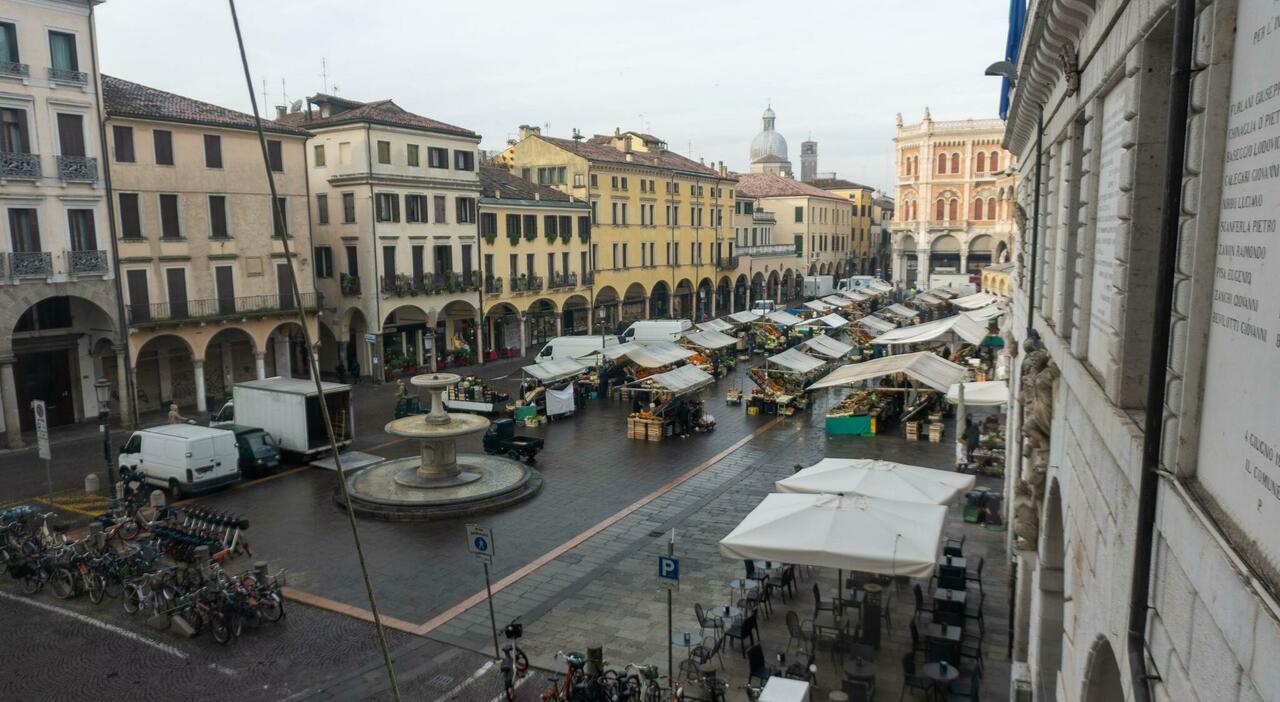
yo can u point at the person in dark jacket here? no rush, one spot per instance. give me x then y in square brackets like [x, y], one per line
[682, 419]
[971, 436]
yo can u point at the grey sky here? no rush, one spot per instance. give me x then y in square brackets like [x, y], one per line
[690, 72]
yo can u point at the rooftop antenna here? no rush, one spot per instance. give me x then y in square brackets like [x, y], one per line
[264, 90]
[577, 135]
[324, 74]
[284, 96]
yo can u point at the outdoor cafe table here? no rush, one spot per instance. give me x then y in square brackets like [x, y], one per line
[728, 612]
[939, 678]
[741, 585]
[953, 562]
[943, 631]
[949, 600]
[687, 639]
[778, 689]
[859, 668]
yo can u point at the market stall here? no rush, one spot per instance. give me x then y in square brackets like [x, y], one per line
[989, 455]
[875, 325]
[951, 330]
[715, 351]
[665, 404]
[743, 318]
[717, 325]
[828, 347]
[976, 300]
[860, 413]
[550, 387]
[472, 395]
[899, 312]
[829, 321]
[896, 394]
[771, 332]
[780, 383]
[818, 306]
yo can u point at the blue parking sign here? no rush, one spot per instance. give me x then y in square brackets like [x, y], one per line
[669, 572]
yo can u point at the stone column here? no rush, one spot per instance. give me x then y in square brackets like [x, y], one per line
[260, 364]
[733, 298]
[922, 269]
[591, 320]
[198, 366]
[9, 389]
[284, 359]
[964, 261]
[479, 327]
[122, 384]
[524, 344]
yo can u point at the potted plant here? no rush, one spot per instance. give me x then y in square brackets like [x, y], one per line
[531, 234]
[404, 284]
[565, 236]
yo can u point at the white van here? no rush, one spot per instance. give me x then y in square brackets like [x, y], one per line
[648, 330]
[577, 347]
[183, 458]
[763, 306]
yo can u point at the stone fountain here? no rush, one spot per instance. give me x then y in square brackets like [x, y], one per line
[439, 482]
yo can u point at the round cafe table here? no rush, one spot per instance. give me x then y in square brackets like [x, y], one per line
[939, 678]
[859, 668]
[726, 612]
[694, 639]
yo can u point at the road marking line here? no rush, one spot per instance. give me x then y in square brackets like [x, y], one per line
[502, 696]
[320, 602]
[68, 508]
[86, 619]
[474, 677]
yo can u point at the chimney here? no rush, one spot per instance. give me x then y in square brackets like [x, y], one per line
[281, 111]
[537, 195]
[528, 131]
[617, 132]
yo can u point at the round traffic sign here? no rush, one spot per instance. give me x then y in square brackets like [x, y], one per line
[481, 544]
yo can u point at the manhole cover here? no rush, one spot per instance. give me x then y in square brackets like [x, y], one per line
[441, 682]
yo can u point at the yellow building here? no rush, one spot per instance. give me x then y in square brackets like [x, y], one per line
[205, 282]
[535, 248]
[764, 268]
[661, 223]
[861, 202]
[882, 209]
[816, 222]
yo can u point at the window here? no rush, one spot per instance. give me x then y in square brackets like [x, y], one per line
[437, 157]
[387, 207]
[513, 228]
[24, 230]
[942, 163]
[13, 131]
[224, 282]
[212, 151]
[624, 213]
[388, 266]
[488, 225]
[130, 221]
[353, 261]
[324, 262]
[549, 225]
[513, 261]
[275, 155]
[995, 161]
[349, 208]
[939, 210]
[344, 153]
[8, 42]
[625, 256]
[162, 140]
[415, 208]
[977, 208]
[595, 211]
[955, 163]
[218, 217]
[438, 206]
[411, 154]
[318, 150]
[595, 180]
[62, 51]
[384, 152]
[280, 220]
[566, 225]
[613, 182]
[577, 180]
[531, 226]
[800, 214]
[122, 137]
[673, 215]
[991, 208]
[546, 176]
[80, 226]
[71, 134]
[466, 161]
[584, 226]
[982, 163]
[466, 208]
[616, 261]
[951, 209]
[416, 258]
[322, 208]
[614, 219]
[624, 182]
[551, 265]
[169, 228]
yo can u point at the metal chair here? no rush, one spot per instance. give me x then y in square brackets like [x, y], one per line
[953, 547]
[757, 665]
[921, 607]
[796, 632]
[910, 680]
[975, 612]
[977, 576]
[858, 690]
[705, 622]
[743, 629]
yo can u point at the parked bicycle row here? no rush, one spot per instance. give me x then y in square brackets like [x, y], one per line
[166, 563]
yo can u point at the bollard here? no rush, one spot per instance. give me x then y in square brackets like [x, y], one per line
[92, 484]
[260, 572]
[157, 499]
[98, 538]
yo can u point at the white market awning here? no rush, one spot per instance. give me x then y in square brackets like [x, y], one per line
[957, 327]
[877, 478]
[718, 325]
[553, 371]
[989, 393]
[901, 310]
[838, 300]
[945, 292]
[926, 367]
[867, 534]
[986, 313]
[744, 317]
[928, 299]
[826, 346]
[796, 360]
[833, 321]
[650, 355]
[711, 340]
[976, 300]
[782, 319]
[880, 286]
[817, 305]
[858, 295]
[875, 324]
[682, 380]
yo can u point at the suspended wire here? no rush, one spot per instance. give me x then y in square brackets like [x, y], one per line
[313, 362]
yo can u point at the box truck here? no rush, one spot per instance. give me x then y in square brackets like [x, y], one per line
[289, 409]
[816, 286]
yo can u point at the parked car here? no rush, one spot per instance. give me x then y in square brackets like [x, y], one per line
[182, 458]
[259, 454]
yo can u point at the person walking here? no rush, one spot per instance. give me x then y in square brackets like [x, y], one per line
[971, 437]
[682, 420]
[175, 417]
[341, 370]
[355, 371]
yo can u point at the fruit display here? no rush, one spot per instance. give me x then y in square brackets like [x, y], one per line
[856, 404]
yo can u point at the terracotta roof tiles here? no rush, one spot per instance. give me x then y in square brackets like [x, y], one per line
[124, 98]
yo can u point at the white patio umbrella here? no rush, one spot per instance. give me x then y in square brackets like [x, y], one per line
[881, 479]
[852, 532]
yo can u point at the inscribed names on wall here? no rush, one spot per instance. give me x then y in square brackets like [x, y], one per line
[1102, 329]
[1239, 459]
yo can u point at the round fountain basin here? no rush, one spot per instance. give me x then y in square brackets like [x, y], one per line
[418, 426]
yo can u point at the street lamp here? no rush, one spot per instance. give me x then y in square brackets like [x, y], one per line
[103, 389]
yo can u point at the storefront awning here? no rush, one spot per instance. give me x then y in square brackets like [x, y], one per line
[718, 325]
[552, 371]
[834, 321]
[976, 300]
[783, 319]
[817, 305]
[926, 367]
[901, 311]
[875, 324]
[711, 340]
[682, 380]
[826, 346]
[744, 317]
[796, 360]
[958, 327]
[652, 355]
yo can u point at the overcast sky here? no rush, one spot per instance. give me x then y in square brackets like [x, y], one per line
[697, 74]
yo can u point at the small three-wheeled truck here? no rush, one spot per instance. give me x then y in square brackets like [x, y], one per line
[501, 439]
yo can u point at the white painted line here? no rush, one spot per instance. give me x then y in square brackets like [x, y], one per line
[133, 636]
[502, 696]
[474, 676]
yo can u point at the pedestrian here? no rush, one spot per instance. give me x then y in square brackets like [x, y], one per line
[636, 405]
[355, 371]
[682, 420]
[175, 417]
[962, 454]
[341, 371]
[971, 436]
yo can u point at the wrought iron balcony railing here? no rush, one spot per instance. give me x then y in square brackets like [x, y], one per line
[493, 285]
[431, 284]
[727, 263]
[768, 250]
[66, 75]
[191, 310]
[19, 165]
[15, 69]
[563, 280]
[87, 262]
[81, 169]
[30, 264]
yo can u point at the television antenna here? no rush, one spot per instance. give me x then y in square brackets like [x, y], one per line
[324, 75]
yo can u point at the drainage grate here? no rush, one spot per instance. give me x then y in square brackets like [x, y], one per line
[441, 682]
[656, 534]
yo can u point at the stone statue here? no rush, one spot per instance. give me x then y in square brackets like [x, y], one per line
[926, 113]
[899, 119]
[1039, 379]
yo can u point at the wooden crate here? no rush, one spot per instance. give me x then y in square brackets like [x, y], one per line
[913, 431]
[935, 432]
[654, 430]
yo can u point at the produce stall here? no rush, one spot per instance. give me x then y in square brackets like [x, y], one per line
[829, 321]
[828, 347]
[989, 454]
[717, 325]
[714, 350]
[668, 406]
[976, 300]
[875, 325]
[549, 387]
[857, 414]
[951, 331]
[899, 312]
[472, 395]
[819, 306]
[932, 375]
[780, 383]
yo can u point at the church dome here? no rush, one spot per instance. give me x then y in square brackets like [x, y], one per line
[768, 142]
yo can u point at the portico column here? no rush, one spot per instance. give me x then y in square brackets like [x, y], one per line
[122, 384]
[284, 359]
[964, 261]
[8, 388]
[523, 343]
[922, 269]
[479, 329]
[733, 298]
[198, 366]
[260, 364]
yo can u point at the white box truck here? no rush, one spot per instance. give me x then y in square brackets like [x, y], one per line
[816, 286]
[289, 409]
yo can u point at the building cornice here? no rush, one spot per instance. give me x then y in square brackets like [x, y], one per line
[1050, 44]
[390, 179]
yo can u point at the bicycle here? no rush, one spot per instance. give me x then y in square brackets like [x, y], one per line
[566, 692]
[514, 663]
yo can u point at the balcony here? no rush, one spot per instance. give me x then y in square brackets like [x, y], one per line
[526, 283]
[562, 280]
[162, 313]
[68, 76]
[19, 165]
[727, 263]
[493, 285]
[768, 250]
[35, 264]
[78, 169]
[446, 283]
[87, 263]
[588, 278]
[15, 69]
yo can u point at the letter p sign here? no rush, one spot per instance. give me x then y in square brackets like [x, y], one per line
[668, 573]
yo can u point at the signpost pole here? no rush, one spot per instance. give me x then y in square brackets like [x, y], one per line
[480, 544]
[493, 620]
[671, 548]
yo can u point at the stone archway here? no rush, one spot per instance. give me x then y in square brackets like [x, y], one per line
[772, 286]
[286, 353]
[740, 301]
[757, 287]
[634, 306]
[457, 334]
[543, 321]
[704, 301]
[660, 300]
[724, 294]
[1050, 576]
[229, 358]
[606, 299]
[503, 330]
[1102, 682]
[981, 251]
[683, 301]
[575, 313]
[164, 372]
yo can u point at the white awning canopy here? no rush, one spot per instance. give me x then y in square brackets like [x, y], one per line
[782, 319]
[858, 295]
[796, 360]
[880, 286]
[832, 321]
[838, 300]
[744, 317]
[976, 300]
[826, 346]
[986, 313]
[945, 292]
[877, 478]
[711, 340]
[718, 325]
[957, 327]
[901, 311]
[552, 371]
[682, 380]
[875, 324]
[853, 532]
[651, 355]
[989, 393]
[926, 367]
[817, 305]
[928, 299]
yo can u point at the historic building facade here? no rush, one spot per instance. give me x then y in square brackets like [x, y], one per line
[954, 199]
[59, 314]
[861, 213]
[768, 153]
[882, 211]
[816, 222]
[207, 290]
[1144, 520]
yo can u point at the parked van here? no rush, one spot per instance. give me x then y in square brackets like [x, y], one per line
[657, 330]
[763, 306]
[183, 458]
[578, 347]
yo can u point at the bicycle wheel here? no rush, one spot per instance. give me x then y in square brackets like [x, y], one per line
[522, 663]
[129, 530]
[219, 627]
[63, 584]
[97, 588]
[32, 582]
[132, 598]
[271, 607]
